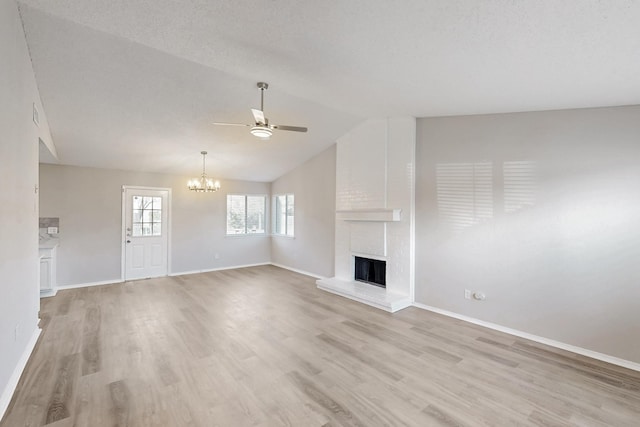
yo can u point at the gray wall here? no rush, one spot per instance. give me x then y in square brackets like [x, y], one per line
[88, 202]
[548, 226]
[314, 186]
[19, 288]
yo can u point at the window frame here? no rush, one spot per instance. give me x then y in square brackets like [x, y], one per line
[286, 208]
[246, 214]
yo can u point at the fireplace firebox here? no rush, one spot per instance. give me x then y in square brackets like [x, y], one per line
[371, 271]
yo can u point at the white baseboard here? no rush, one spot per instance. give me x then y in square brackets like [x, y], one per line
[232, 267]
[295, 270]
[181, 273]
[542, 340]
[86, 285]
[10, 388]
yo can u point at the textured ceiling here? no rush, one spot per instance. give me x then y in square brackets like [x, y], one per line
[134, 84]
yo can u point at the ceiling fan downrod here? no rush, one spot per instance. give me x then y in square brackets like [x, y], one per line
[262, 86]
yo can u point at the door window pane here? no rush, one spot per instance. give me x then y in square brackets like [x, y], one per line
[137, 202]
[146, 216]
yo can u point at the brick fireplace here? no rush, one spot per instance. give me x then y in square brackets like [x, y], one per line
[375, 176]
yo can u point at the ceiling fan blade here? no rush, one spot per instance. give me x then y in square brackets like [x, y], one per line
[259, 116]
[292, 128]
[231, 124]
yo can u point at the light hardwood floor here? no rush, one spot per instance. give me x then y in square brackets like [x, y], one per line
[263, 347]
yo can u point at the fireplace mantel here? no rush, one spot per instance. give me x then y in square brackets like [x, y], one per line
[378, 215]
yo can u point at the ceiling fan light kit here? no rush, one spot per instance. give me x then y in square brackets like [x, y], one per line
[261, 132]
[203, 184]
[262, 129]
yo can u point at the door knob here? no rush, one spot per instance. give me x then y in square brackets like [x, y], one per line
[128, 241]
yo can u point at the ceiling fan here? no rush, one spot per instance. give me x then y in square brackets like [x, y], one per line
[262, 128]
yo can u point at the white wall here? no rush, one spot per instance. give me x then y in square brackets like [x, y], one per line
[314, 186]
[19, 136]
[555, 246]
[88, 202]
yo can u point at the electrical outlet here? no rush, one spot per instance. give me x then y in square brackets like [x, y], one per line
[467, 294]
[479, 296]
[16, 334]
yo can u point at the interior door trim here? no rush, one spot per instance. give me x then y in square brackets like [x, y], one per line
[124, 226]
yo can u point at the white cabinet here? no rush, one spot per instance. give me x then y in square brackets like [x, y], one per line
[47, 271]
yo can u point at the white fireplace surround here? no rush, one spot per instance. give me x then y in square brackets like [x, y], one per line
[375, 211]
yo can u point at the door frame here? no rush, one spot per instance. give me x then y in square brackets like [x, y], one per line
[123, 227]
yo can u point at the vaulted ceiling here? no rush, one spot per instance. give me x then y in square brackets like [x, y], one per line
[136, 84]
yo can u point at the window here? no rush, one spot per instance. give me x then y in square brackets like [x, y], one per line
[246, 214]
[147, 216]
[283, 212]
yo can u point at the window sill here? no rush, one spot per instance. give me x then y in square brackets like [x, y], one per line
[233, 236]
[284, 236]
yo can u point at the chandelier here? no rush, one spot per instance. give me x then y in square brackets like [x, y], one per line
[203, 184]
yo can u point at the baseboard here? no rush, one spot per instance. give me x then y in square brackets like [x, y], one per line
[295, 270]
[542, 340]
[8, 391]
[181, 273]
[86, 285]
[208, 270]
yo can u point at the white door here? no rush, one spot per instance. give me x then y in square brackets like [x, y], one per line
[146, 219]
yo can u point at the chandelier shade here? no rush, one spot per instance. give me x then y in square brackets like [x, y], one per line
[203, 184]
